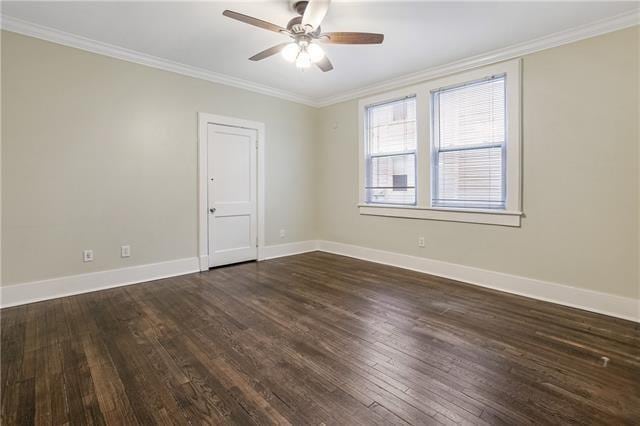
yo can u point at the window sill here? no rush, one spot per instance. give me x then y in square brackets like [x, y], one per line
[487, 217]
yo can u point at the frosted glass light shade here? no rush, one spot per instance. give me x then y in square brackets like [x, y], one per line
[315, 52]
[290, 52]
[303, 60]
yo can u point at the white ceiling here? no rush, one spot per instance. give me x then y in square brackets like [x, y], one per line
[418, 35]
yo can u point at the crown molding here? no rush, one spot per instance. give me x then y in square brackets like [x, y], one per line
[20, 26]
[607, 25]
[614, 23]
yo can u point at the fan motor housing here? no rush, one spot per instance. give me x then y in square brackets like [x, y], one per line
[293, 22]
[295, 26]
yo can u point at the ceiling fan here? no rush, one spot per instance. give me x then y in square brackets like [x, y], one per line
[306, 34]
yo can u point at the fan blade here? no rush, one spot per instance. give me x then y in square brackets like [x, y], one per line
[254, 21]
[325, 64]
[351, 38]
[315, 13]
[268, 52]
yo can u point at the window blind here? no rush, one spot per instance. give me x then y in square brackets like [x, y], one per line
[391, 152]
[469, 145]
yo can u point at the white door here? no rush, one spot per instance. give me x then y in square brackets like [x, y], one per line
[232, 181]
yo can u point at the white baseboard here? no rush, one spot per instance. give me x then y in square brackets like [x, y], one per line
[603, 303]
[288, 249]
[35, 291]
[608, 304]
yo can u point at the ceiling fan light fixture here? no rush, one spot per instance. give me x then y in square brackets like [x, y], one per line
[306, 32]
[315, 52]
[290, 52]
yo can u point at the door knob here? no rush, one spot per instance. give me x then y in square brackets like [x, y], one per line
[212, 210]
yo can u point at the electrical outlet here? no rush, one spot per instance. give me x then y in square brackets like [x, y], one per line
[283, 233]
[87, 256]
[125, 251]
[421, 242]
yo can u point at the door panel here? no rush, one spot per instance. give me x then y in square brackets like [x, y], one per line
[232, 194]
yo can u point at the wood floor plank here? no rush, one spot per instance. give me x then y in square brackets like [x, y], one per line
[314, 339]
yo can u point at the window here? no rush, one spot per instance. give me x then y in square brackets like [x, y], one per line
[391, 152]
[447, 149]
[468, 128]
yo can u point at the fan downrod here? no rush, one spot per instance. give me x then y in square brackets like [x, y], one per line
[300, 7]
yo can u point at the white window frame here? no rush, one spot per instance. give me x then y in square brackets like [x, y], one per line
[369, 156]
[424, 209]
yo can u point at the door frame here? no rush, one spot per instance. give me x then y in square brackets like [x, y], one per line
[204, 119]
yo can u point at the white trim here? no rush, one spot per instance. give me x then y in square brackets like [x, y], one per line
[204, 119]
[203, 262]
[407, 92]
[288, 249]
[424, 150]
[603, 26]
[513, 90]
[593, 29]
[607, 304]
[35, 291]
[42, 32]
[603, 303]
[486, 217]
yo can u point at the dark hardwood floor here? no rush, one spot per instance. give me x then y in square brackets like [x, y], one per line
[312, 339]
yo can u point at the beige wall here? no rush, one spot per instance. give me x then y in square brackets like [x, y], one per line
[580, 117]
[98, 152]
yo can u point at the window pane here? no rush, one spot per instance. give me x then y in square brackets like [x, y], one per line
[392, 127]
[391, 179]
[472, 114]
[469, 142]
[470, 178]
